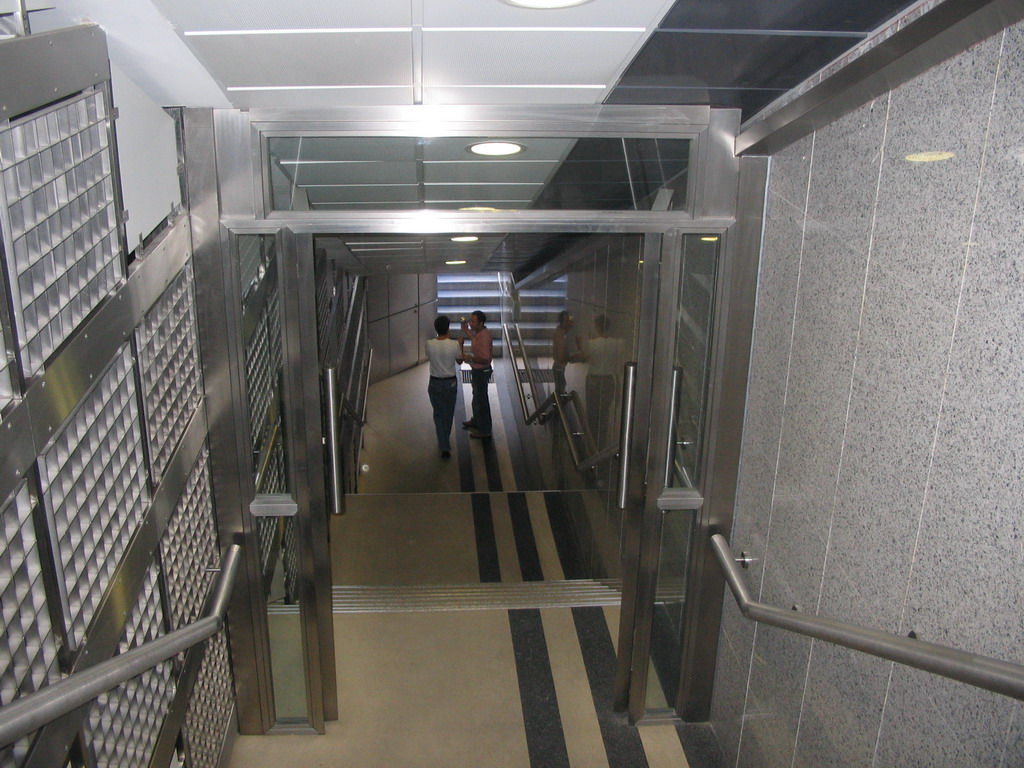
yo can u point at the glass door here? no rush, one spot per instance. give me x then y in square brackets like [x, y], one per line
[674, 403]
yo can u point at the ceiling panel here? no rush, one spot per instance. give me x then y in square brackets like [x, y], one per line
[190, 15]
[519, 95]
[454, 148]
[386, 193]
[482, 192]
[376, 96]
[344, 148]
[834, 15]
[315, 59]
[556, 57]
[494, 13]
[314, 173]
[489, 172]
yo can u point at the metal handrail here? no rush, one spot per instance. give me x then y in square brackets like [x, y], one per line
[538, 415]
[334, 468]
[29, 713]
[981, 671]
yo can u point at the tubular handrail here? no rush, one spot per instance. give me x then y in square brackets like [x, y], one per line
[539, 413]
[982, 671]
[29, 713]
[266, 454]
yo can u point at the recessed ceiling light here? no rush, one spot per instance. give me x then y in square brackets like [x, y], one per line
[455, 262]
[928, 157]
[546, 4]
[496, 148]
[465, 239]
[479, 209]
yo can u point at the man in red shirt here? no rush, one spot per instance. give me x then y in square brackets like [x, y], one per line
[479, 358]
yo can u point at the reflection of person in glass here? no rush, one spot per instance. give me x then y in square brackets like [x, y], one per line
[605, 357]
[560, 355]
[444, 354]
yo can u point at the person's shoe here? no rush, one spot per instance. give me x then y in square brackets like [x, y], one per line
[446, 454]
[468, 424]
[474, 432]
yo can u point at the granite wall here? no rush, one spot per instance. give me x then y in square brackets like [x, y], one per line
[881, 475]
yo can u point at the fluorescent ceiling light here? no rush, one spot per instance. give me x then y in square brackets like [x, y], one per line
[495, 148]
[456, 262]
[327, 31]
[585, 86]
[710, 238]
[309, 87]
[630, 30]
[543, 5]
[928, 157]
[465, 239]
[479, 209]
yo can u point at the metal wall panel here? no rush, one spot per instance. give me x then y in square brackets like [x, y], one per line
[63, 249]
[189, 549]
[210, 710]
[94, 491]
[28, 645]
[123, 724]
[169, 367]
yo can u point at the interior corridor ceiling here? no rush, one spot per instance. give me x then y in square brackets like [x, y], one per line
[319, 54]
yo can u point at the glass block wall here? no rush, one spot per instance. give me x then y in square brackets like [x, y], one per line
[106, 433]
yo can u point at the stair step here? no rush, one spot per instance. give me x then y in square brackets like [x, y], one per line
[469, 597]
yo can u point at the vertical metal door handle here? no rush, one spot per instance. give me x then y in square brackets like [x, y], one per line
[626, 430]
[333, 453]
[670, 446]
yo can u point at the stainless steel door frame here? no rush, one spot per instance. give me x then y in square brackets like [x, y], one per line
[634, 491]
[306, 450]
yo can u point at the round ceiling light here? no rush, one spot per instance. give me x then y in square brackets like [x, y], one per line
[544, 5]
[929, 157]
[496, 148]
[465, 239]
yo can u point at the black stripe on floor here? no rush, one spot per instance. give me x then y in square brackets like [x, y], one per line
[544, 737]
[565, 540]
[490, 453]
[466, 482]
[621, 740]
[486, 543]
[526, 544]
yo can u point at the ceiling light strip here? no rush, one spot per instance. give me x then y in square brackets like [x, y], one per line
[310, 87]
[628, 30]
[325, 31]
[523, 85]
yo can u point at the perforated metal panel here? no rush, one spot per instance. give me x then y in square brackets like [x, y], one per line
[290, 558]
[189, 547]
[169, 366]
[259, 379]
[209, 710]
[124, 723]
[274, 330]
[28, 647]
[94, 490]
[62, 247]
[7, 391]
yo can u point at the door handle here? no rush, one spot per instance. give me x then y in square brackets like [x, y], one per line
[626, 430]
[670, 447]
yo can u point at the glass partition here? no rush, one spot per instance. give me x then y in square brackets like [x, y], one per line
[257, 257]
[694, 312]
[359, 173]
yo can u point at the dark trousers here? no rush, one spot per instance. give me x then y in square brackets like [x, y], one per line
[442, 394]
[481, 405]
